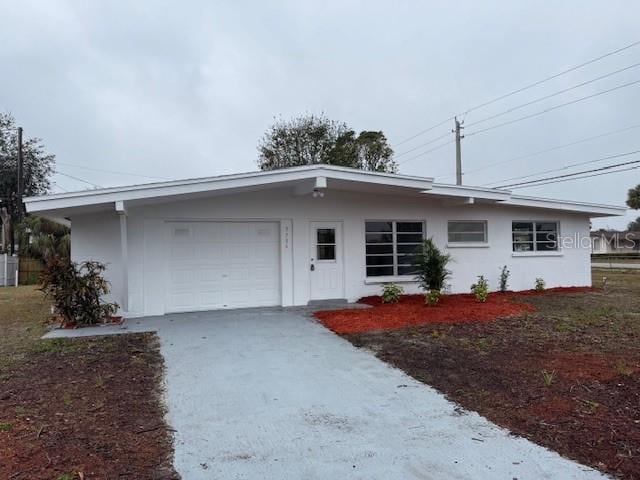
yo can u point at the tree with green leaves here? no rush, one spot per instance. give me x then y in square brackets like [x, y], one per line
[633, 198]
[42, 239]
[311, 140]
[38, 166]
[634, 226]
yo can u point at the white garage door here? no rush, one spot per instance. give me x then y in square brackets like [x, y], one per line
[223, 265]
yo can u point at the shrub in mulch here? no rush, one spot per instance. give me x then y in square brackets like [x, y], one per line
[411, 310]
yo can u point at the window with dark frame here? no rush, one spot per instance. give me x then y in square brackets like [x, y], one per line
[392, 246]
[535, 236]
[467, 231]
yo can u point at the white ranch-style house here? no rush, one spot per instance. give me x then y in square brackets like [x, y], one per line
[292, 236]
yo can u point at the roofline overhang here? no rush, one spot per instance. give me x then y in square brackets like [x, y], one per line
[61, 203]
[220, 183]
[592, 209]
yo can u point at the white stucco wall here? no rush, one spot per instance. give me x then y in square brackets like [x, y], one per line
[97, 236]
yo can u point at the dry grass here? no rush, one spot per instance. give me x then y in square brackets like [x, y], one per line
[23, 315]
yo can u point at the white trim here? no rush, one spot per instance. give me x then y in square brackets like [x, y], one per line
[390, 279]
[467, 245]
[594, 209]
[537, 254]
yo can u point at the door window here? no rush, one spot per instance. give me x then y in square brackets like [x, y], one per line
[326, 244]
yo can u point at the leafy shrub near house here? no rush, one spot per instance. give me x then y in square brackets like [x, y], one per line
[431, 267]
[480, 289]
[391, 293]
[432, 297]
[504, 279]
[76, 291]
[540, 285]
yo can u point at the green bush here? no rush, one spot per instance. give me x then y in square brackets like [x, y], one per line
[480, 289]
[431, 267]
[540, 285]
[76, 291]
[391, 293]
[432, 297]
[504, 279]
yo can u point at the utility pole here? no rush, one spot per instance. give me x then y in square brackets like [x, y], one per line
[20, 174]
[458, 127]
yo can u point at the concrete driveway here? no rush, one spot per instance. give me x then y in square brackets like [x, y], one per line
[270, 394]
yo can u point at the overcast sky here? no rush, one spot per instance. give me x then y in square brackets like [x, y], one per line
[186, 89]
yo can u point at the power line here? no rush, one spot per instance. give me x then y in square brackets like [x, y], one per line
[522, 89]
[602, 159]
[546, 150]
[555, 107]
[111, 171]
[426, 130]
[77, 178]
[564, 72]
[424, 144]
[57, 185]
[546, 97]
[607, 167]
[426, 152]
[580, 178]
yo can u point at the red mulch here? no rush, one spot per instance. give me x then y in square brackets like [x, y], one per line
[411, 310]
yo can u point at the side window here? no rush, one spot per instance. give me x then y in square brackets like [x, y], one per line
[468, 231]
[535, 236]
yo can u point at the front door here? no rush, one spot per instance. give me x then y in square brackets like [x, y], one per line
[326, 265]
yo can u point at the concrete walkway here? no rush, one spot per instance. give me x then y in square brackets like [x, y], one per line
[270, 394]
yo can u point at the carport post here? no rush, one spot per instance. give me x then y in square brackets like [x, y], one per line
[124, 298]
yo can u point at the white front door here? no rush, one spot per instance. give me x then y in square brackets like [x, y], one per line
[326, 265]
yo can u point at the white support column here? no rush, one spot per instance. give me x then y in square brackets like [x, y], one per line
[122, 213]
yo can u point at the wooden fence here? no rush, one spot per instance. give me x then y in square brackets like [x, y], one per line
[29, 271]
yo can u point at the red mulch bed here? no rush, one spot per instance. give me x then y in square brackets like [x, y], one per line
[411, 310]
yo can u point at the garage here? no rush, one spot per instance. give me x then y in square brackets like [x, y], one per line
[214, 265]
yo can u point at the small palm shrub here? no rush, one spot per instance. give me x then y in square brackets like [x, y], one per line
[540, 285]
[480, 289]
[432, 297]
[391, 293]
[431, 267]
[504, 279]
[548, 377]
[76, 291]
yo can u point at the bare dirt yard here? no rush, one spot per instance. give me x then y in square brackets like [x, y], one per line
[78, 408]
[565, 374]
